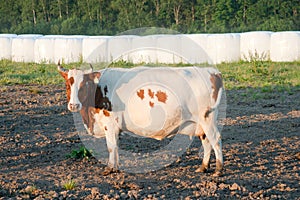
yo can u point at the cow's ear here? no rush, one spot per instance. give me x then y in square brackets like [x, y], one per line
[96, 77]
[62, 71]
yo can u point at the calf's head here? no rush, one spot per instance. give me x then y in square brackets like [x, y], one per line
[80, 86]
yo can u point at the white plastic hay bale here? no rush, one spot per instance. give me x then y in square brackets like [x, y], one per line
[255, 45]
[285, 46]
[169, 49]
[44, 49]
[223, 47]
[23, 48]
[6, 45]
[68, 48]
[94, 49]
[144, 49]
[119, 48]
[194, 48]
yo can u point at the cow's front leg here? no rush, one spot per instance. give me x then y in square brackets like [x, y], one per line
[112, 147]
[112, 136]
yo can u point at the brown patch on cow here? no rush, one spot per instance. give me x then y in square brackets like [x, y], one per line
[219, 165]
[208, 111]
[105, 128]
[151, 104]
[216, 81]
[109, 150]
[93, 75]
[150, 93]
[97, 110]
[106, 113]
[64, 75]
[140, 93]
[201, 134]
[68, 91]
[87, 114]
[71, 81]
[102, 101]
[161, 96]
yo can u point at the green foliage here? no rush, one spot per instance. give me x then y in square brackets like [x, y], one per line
[98, 17]
[82, 153]
[69, 185]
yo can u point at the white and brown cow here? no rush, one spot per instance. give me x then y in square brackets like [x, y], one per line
[155, 102]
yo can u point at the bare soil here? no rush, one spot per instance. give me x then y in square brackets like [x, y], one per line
[261, 142]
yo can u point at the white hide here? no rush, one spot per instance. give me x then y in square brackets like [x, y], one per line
[188, 97]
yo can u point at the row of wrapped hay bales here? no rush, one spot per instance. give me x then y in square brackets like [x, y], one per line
[255, 45]
[285, 46]
[180, 48]
[6, 45]
[22, 48]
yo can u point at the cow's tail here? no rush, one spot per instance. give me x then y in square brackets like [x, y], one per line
[216, 105]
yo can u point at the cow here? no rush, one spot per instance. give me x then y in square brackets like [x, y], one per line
[153, 102]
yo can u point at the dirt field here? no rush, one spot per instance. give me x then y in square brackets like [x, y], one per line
[261, 142]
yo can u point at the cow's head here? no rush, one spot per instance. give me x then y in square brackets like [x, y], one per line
[80, 85]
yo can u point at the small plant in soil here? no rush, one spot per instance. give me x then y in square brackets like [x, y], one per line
[82, 153]
[69, 185]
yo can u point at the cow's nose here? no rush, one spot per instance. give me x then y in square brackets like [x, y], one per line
[74, 107]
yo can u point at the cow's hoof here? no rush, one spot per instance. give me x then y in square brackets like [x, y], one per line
[217, 174]
[109, 170]
[202, 169]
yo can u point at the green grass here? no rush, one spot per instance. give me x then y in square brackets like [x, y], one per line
[262, 74]
[12, 73]
[240, 75]
[69, 184]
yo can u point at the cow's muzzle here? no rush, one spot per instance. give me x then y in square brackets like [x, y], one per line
[76, 107]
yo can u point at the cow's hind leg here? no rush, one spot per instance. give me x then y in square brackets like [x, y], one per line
[206, 154]
[206, 150]
[213, 136]
[217, 146]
